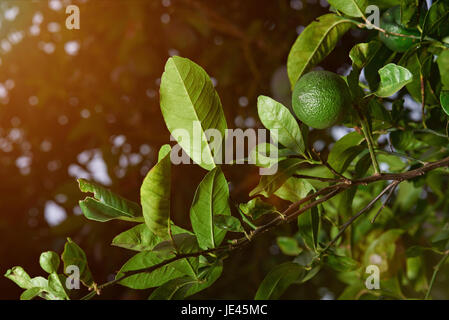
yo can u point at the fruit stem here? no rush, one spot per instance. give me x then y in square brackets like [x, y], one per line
[370, 143]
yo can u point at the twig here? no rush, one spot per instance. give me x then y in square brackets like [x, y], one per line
[390, 193]
[353, 218]
[435, 272]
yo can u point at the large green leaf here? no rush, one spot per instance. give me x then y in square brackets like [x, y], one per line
[211, 198]
[268, 184]
[281, 123]
[107, 205]
[316, 41]
[74, 255]
[155, 197]
[278, 280]
[190, 103]
[392, 79]
[353, 8]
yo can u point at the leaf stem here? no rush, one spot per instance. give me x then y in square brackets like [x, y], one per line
[370, 143]
[435, 272]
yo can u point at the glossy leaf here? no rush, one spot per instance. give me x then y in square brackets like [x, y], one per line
[74, 255]
[294, 189]
[352, 8]
[107, 205]
[278, 280]
[155, 197]
[282, 125]
[392, 79]
[313, 44]
[211, 198]
[49, 261]
[436, 16]
[190, 103]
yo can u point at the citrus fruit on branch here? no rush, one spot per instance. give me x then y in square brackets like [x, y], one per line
[320, 99]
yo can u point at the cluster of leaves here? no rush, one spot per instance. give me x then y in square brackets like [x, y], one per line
[179, 262]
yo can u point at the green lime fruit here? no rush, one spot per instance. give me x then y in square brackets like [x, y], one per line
[391, 22]
[320, 98]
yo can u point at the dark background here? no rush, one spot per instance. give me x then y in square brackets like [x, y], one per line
[84, 103]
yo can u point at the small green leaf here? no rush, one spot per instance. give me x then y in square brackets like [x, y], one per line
[155, 197]
[148, 279]
[228, 223]
[140, 238]
[74, 255]
[281, 123]
[266, 155]
[211, 198]
[309, 225]
[294, 189]
[268, 184]
[49, 261]
[278, 280]
[255, 208]
[107, 205]
[345, 150]
[352, 8]
[163, 151]
[20, 277]
[313, 44]
[341, 263]
[392, 79]
[56, 286]
[444, 100]
[188, 99]
[289, 246]
[31, 293]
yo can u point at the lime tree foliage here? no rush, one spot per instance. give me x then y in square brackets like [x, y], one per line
[378, 198]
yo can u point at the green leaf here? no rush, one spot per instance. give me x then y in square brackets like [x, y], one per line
[255, 208]
[309, 226]
[345, 150]
[289, 246]
[107, 205]
[268, 184]
[190, 103]
[313, 44]
[444, 100]
[180, 288]
[361, 54]
[281, 123]
[436, 17]
[74, 255]
[49, 261]
[31, 293]
[163, 151]
[228, 223]
[149, 279]
[380, 59]
[409, 12]
[443, 66]
[140, 238]
[266, 155]
[155, 197]
[278, 280]
[211, 198]
[352, 8]
[392, 79]
[294, 189]
[20, 277]
[341, 263]
[56, 286]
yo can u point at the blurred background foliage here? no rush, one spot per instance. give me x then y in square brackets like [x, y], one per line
[84, 103]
